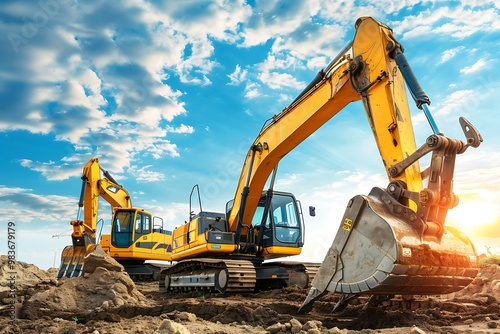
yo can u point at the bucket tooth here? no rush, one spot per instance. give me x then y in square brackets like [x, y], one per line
[72, 261]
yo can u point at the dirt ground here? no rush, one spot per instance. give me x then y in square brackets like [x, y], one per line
[104, 300]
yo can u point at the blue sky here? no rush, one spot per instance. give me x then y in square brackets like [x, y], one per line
[169, 94]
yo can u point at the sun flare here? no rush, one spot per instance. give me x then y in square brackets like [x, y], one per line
[470, 216]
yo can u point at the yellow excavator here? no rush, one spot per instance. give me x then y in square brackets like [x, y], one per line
[392, 241]
[136, 235]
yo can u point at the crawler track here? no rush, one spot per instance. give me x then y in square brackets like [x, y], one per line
[235, 275]
[209, 275]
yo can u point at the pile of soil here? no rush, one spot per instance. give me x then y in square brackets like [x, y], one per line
[21, 282]
[104, 286]
[27, 275]
[105, 300]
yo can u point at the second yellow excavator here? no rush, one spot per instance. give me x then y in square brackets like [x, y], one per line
[136, 235]
[393, 241]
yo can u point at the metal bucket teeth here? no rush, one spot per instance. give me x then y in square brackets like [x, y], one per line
[72, 260]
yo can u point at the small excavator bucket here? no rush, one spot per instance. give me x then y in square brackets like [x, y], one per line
[380, 248]
[72, 260]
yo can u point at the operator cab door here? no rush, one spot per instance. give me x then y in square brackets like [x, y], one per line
[283, 225]
[142, 236]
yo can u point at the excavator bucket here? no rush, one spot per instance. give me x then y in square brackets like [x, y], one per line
[72, 260]
[380, 248]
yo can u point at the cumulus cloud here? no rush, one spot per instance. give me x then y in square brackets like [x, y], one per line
[252, 90]
[275, 18]
[99, 82]
[455, 101]
[52, 171]
[144, 174]
[277, 80]
[181, 129]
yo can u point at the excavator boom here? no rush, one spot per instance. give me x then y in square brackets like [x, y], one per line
[365, 75]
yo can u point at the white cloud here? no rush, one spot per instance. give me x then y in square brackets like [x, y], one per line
[181, 129]
[285, 98]
[455, 102]
[279, 80]
[303, 43]
[82, 59]
[480, 64]
[287, 180]
[164, 147]
[274, 18]
[252, 90]
[450, 53]
[23, 205]
[143, 174]
[458, 22]
[51, 171]
[238, 76]
[282, 61]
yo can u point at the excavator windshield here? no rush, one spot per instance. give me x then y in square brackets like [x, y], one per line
[122, 232]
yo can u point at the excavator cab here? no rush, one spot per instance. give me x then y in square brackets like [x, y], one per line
[137, 235]
[282, 226]
[128, 226]
[277, 225]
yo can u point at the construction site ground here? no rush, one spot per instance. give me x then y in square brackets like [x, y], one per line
[105, 300]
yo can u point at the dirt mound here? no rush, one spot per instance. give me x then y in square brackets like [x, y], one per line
[487, 283]
[27, 275]
[20, 282]
[104, 286]
[104, 301]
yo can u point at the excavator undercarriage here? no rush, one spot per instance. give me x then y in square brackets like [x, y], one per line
[235, 275]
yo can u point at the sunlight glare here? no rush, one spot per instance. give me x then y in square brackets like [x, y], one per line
[470, 216]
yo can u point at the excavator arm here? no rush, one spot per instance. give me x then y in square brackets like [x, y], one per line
[394, 241]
